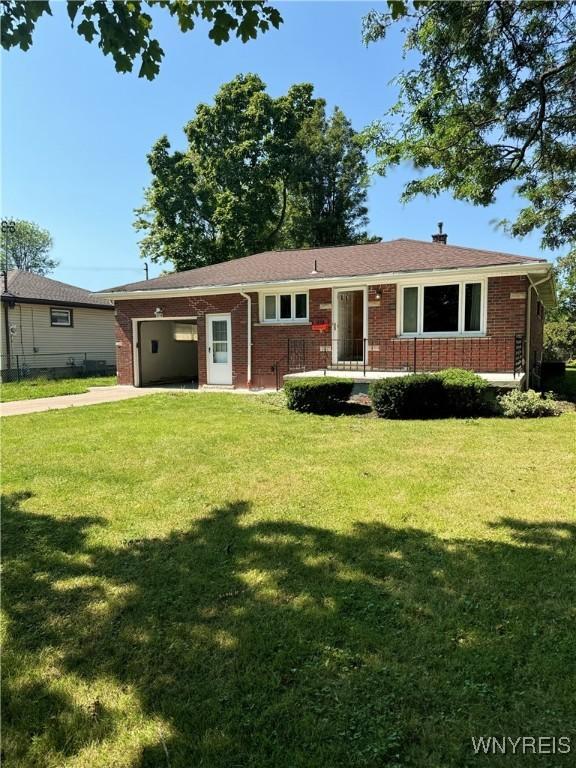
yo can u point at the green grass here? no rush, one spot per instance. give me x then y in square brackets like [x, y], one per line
[563, 386]
[211, 580]
[33, 388]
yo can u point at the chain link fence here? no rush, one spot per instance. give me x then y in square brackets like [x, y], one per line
[55, 365]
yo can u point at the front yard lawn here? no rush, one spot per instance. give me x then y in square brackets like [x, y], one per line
[33, 388]
[212, 580]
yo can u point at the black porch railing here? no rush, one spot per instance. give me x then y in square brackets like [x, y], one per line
[503, 354]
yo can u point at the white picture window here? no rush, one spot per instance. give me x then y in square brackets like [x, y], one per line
[442, 309]
[285, 307]
[60, 318]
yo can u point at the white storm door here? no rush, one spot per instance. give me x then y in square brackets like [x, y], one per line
[219, 349]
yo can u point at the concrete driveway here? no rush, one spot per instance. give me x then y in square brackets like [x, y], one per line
[94, 396]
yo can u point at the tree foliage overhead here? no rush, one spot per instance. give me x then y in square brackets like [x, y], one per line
[24, 245]
[491, 99]
[124, 29]
[258, 173]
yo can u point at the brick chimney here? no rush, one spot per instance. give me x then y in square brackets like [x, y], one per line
[439, 237]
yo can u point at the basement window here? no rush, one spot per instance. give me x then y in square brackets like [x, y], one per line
[285, 308]
[60, 318]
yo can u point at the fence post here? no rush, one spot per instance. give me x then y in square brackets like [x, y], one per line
[18, 368]
[414, 371]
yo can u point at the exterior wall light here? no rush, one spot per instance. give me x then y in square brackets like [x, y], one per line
[158, 312]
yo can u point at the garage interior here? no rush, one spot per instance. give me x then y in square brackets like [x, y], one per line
[168, 352]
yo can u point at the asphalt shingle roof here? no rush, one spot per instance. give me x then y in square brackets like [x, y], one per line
[400, 255]
[29, 287]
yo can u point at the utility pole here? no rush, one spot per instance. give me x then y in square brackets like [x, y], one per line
[7, 322]
[146, 269]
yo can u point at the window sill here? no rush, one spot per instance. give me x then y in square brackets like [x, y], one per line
[471, 335]
[273, 323]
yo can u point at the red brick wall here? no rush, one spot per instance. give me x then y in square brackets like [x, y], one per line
[270, 342]
[198, 306]
[506, 317]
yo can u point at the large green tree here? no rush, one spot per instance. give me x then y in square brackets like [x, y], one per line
[124, 28]
[258, 173]
[489, 99]
[328, 203]
[26, 246]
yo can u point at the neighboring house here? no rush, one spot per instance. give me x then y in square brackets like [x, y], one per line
[368, 310]
[53, 328]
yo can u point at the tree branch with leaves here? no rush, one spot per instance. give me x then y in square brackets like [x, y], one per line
[491, 100]
[124, 29]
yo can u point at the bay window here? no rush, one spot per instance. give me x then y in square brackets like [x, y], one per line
[442, 309]
[285, 308]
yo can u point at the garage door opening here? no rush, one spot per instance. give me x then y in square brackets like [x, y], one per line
[168, 352]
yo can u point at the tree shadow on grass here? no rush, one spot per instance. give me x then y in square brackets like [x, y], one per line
[282, 644]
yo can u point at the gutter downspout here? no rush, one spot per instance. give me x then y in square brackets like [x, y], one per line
[249, 340]
[533, 285]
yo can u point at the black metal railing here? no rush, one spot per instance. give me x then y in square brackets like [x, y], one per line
[519, 359]
[411, 355]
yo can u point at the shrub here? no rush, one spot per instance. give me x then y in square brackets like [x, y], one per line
[453, 392]
[525, 405]
[559, 340]
[422, 396]
[467, 393]
[317, 395]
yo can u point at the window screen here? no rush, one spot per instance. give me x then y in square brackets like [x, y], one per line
[472, 306]
[270, 308]
[410, 314]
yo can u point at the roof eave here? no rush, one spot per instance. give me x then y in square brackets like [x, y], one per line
[11, 298]
[500, 270]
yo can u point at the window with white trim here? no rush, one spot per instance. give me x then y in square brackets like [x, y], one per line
[60, 318]
[442, 309]
[285, 307]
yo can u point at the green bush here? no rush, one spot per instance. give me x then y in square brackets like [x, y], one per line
[321, 394]
[559, 340]
[525, 405]
[467, 393]
[422, 396]
[453, 392]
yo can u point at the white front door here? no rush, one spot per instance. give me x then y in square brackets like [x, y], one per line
[349, 326]
[219, 349]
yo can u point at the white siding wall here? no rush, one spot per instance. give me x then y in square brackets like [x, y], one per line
[41, 345]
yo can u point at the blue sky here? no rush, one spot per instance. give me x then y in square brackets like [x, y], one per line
[75, 133]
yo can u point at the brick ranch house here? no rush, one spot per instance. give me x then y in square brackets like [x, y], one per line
[365, 311]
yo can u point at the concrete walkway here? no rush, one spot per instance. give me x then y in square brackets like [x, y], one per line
[94, 396]
[98, 395]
